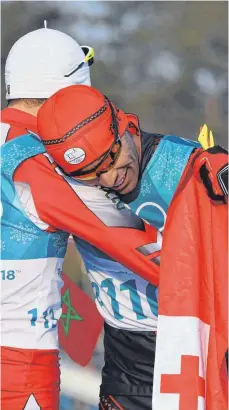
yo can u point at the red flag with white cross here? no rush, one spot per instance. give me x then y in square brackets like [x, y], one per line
[190, 371]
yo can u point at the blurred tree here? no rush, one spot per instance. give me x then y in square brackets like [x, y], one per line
[165, 61]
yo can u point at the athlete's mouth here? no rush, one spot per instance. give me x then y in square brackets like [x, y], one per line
[121, 180]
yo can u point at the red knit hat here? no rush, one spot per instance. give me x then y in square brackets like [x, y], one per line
[75, 126]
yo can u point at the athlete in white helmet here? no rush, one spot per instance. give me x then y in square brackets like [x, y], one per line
[44, 61]
[40, 208]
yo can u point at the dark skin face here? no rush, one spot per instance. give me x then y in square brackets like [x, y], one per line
[123, 176]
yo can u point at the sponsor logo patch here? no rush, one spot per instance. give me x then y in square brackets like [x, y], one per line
[74, 155]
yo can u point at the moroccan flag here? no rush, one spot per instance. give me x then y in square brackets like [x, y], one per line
[190, 371]
[80, 324]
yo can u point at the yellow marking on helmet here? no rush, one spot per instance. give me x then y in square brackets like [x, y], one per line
[90, 55]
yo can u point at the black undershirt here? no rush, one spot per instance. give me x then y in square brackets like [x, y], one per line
[149, 143]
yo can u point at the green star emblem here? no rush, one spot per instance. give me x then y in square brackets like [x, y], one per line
[71, 312]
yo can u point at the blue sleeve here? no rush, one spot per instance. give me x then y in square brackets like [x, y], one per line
[182, 141]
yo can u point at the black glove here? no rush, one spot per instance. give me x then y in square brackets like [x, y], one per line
[211, 167]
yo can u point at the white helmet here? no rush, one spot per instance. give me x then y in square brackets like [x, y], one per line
[44, 61]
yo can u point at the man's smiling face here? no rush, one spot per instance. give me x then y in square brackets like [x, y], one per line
[123, 176]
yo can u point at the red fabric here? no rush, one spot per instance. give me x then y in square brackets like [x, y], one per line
[80, 324]
[26, 372]
[67, 109]
[19, 119]
[193, 277]
[57, 117]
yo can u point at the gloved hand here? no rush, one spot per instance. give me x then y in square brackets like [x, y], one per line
[211, 167]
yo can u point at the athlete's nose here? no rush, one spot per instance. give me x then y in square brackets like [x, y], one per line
[107, 179]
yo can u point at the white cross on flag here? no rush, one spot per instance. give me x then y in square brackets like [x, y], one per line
[180, 363]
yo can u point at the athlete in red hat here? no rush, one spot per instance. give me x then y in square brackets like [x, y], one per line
[94, 141]
[98, 144]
